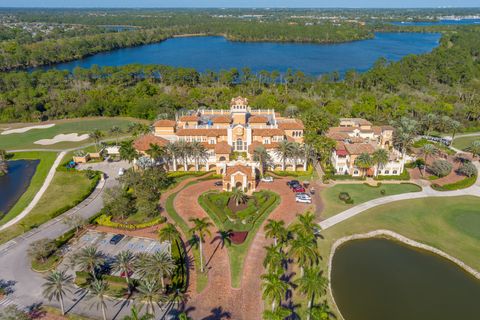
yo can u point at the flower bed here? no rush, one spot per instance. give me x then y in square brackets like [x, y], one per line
[106, 221]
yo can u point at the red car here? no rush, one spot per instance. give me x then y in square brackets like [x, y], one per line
[298, 189]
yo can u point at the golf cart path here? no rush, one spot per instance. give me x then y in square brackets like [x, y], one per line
[425, 193]
[39, 194]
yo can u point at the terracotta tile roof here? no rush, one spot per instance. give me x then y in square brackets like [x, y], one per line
[255, 144]
[239, 168]
[291, 125]
[268, 132]
[239, 100]
[258, 119]
[339, 136]
[357, 121]
[192, 132]
[359, 148]
[222, 119]
[188, 118]
[386, 128]
[223, 148]
[208, 145]
[377, 130]
[143, 143]
[165, 123]
[341, 129]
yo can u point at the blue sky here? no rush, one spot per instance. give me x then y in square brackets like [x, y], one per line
[240, 3]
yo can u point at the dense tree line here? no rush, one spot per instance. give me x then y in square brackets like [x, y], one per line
[444, 82]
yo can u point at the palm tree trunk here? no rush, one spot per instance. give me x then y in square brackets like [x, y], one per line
[283, 165]
[62, 307]
[275, 241]
[127, 278]
[302, 271]
[185, 164]
[174, 164]
[162, 281]
[201, 255]
[273, 305]
[310, 306]
[104, 312]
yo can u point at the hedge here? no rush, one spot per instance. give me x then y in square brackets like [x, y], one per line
[462, 184]
[106, 221]
[178, 174]
[280, 173]
[403, 176]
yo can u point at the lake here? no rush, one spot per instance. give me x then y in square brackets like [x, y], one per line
[15, 182]
[445, 22]
[216, 53]
[379, 279]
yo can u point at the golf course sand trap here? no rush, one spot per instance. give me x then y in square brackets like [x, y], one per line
[71, 137]
[25, 129]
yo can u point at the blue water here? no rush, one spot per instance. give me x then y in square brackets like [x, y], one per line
[437, 23]
[217, 53]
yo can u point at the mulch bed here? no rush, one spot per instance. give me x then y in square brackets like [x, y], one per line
[238, 237]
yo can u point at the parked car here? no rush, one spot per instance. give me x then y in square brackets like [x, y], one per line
[218, 183]
[267, 179]
[293, 183]
[298, 189]
[303, 199]
[116, 239]
[304, 194]
[121, 172]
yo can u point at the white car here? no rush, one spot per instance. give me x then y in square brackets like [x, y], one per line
[121, 172]
[267, 179]
[303, 198]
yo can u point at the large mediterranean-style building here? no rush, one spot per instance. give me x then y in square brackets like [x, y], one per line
[355, 136]
[230, 138]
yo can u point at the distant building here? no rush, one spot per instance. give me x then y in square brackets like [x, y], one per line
[355, 136]
[230, 138]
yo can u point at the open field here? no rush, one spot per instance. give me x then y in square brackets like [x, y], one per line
[46, 162]
[449, 224]
[359, 193]
[464, 142]
[81, 126]
[66, 190]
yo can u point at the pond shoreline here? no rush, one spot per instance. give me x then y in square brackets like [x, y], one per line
[390, 235]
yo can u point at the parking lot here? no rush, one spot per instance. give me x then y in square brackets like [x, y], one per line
[101, 241]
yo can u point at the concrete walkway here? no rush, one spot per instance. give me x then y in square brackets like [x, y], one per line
[425, 193]
[39, 194]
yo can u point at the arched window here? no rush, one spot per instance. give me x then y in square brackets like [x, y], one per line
[222, 159]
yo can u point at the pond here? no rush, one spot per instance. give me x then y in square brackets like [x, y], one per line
[216, 53]
[445, 22]
[379, 279]
[15, 183]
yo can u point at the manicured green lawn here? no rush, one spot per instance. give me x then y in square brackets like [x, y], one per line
[359, 193]
[46, 162]
[237, 253]
[66, 190]
[464, 142]
[26, 140]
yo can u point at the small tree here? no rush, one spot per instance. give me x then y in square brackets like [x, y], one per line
[474, 148]
[468, 169]
[12, 312]
[42, 249]
[238, 196]
[441, 168]
[56, 285]
[96, 135]
[364, 161]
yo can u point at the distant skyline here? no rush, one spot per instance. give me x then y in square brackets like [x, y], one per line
[240, 3]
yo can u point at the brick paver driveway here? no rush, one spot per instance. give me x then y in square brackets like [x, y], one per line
[245, 303]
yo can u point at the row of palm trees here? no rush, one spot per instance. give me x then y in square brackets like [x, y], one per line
[294, 246]
[294, 152]
[366, 161]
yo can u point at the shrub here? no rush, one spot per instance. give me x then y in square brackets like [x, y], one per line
[441, 168]
[404, 176]
[345, 197]
[468, 169]
[383, 192]
[106, 221]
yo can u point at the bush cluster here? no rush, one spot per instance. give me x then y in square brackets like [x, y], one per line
[441, 168]
[345, 197]
[106, 221]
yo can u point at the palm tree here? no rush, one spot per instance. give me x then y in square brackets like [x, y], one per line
[364, 161]
[3, 162]
[455, 126]
[199, 153]
[429, 121]
[309, 156]
[125, 263]
[238, 196]
[283, 152]
[170, 233]
[155, 152]
[56, 285]
[275, 259]
[276, 230]
[96, 135]
[172, 153]
[380, 158]
[297, 152]
[128, 152]
[89, 259]
[312, 284]
[305, 225]
[150, 293]
[474, 148]
[405, 132]
[200, 229]
[274, 288]
[322, 312]
[98, 291]
[429, 150]
[116, 132]
[280, 313]
[261, 155]
[223, 238]
[162, 265]
[304, 249]
[134, 315]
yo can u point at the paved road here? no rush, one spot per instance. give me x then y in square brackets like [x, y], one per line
[426, 192]
[39, 194]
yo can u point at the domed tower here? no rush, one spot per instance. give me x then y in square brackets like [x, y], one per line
[239, 109]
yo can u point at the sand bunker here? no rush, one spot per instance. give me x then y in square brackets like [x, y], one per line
[25, 129]
[71, 137]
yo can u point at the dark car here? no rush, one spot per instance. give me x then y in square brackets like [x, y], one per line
[293, 183]
[116, 239]
[218, 184]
